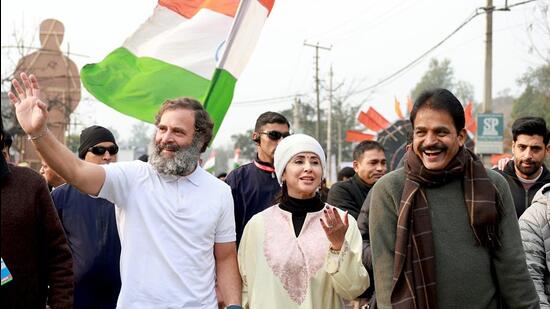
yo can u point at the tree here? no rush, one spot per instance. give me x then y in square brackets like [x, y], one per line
[464, 91]
[535, 98]
[141, 135]
[440, 74]
[245, 144]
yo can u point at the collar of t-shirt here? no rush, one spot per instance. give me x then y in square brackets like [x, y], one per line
[193, 177]
[264, 166]
[528, 183]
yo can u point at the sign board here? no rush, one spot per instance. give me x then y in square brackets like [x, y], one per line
[490, 134]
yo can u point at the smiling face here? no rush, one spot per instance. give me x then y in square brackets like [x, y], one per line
[303, 175]
[529, 153]
[370, 166]
[175, 130]
[435, 139]
[176, 146]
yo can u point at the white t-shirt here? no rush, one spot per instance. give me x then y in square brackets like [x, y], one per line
[170, 227]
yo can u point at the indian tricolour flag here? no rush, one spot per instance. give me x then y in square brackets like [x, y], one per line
[210, 163]
[187, 48]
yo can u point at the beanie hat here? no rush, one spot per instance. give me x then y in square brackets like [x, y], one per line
[293, 145]
[92, 136]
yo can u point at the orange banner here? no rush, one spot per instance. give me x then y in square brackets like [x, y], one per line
[409, 105]
[471, 124]
[373, 120]
[397, 107]
[378, 118]
[367, 122]
[356, 136]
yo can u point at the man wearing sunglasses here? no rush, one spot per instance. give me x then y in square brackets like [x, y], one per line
[90, 226]
[254, 185]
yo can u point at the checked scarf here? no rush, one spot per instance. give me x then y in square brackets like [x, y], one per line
[414, 282]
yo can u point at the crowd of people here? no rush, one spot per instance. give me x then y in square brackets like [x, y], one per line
[441, 231]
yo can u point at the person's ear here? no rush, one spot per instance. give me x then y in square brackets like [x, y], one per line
[256, 138]
[355, 165]
[462, 135]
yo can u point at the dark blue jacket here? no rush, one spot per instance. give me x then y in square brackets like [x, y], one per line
[90, 227]
[523, 198]
[253, 190]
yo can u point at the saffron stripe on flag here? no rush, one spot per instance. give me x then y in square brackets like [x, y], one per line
[188, 9]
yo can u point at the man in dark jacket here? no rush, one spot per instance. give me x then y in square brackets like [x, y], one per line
[90, 225]
[34, 247]
[254, 185]
[369, 163]
[526, 173]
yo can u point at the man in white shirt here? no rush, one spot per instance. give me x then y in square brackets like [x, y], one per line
[178, 235]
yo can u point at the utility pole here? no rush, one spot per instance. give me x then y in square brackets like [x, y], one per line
[488, 93]
[296, 115]
[339, 161]
[317, 47]
[329, 128]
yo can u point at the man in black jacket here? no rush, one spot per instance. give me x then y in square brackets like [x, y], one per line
[254, 185]
[526, 173]
[369, 163]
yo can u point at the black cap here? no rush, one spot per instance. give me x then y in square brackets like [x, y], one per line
[92, 136]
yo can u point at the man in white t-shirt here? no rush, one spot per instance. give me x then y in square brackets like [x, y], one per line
[178, 235]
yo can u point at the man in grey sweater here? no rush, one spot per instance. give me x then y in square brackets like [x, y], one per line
[443, 229]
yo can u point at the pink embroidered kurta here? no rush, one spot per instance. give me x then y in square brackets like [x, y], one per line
[280, 270]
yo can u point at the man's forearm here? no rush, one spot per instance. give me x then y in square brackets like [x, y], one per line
[229, 279]
[57, 155]
[85, 176]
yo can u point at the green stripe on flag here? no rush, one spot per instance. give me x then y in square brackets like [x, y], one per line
[219, 97]
[137, 86]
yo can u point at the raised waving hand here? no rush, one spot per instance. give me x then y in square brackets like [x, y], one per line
[31, 112]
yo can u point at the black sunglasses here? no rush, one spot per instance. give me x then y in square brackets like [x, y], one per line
[275, 135]
[100, 150]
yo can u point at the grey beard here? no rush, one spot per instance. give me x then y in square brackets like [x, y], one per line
[183, 163]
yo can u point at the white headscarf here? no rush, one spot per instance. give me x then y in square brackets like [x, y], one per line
[293, 145]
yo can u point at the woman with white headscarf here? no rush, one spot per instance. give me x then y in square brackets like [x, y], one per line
[301, 253]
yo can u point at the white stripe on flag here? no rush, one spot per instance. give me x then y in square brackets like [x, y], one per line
[250, 19]
[188, 43]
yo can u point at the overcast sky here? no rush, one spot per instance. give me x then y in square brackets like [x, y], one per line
[370, 40]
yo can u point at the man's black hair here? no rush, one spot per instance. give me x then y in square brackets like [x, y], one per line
[365, 146]
[270, 117]
[530, 126]
[347, 172]
[442, 100]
